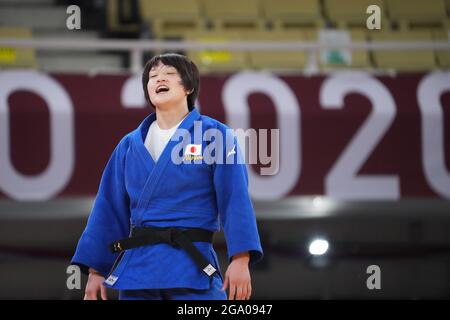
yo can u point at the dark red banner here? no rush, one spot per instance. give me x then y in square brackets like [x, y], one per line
[347, 135]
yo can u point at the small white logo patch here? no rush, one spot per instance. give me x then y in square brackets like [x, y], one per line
[111, 280]
[209, 270]
[231, 152]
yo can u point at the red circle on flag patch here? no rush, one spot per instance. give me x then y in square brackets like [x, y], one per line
[192, 149]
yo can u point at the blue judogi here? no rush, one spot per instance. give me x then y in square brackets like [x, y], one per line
[214, 293]
[135, 191]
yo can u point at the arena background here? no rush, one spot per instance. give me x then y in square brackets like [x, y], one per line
[363, 113]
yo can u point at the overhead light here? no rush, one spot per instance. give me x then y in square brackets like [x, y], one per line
[318, 247]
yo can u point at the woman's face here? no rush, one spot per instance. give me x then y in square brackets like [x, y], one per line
[165, 87]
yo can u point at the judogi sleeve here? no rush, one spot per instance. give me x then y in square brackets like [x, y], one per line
[109, 219]
[236, 213]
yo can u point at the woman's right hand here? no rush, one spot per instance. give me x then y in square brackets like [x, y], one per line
[94, 286]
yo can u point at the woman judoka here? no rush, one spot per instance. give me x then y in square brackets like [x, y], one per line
[149, 234]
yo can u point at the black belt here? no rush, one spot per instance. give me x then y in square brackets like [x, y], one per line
[175, 237]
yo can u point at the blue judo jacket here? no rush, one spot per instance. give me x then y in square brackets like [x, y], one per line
[135, 191]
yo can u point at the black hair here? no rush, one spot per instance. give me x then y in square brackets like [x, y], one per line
[186, 68]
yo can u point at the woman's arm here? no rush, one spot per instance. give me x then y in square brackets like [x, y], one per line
[94, 286]
[238, 277]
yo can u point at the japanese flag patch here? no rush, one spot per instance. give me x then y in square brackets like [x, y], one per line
[193, 152]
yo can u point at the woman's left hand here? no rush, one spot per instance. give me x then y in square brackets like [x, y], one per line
[237, 278]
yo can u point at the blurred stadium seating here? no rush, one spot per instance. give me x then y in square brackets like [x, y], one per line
[417, 60]
[122, 16]
[291, 60]
[414, 14]
[15, 57]
[214, 60]
[443, 56]
[172, 18]
[233, 20]
[234, 14]
[288, 14]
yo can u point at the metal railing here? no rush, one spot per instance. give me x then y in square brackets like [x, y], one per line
[138, 47]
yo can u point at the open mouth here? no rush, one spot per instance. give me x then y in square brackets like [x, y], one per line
[162, 88]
